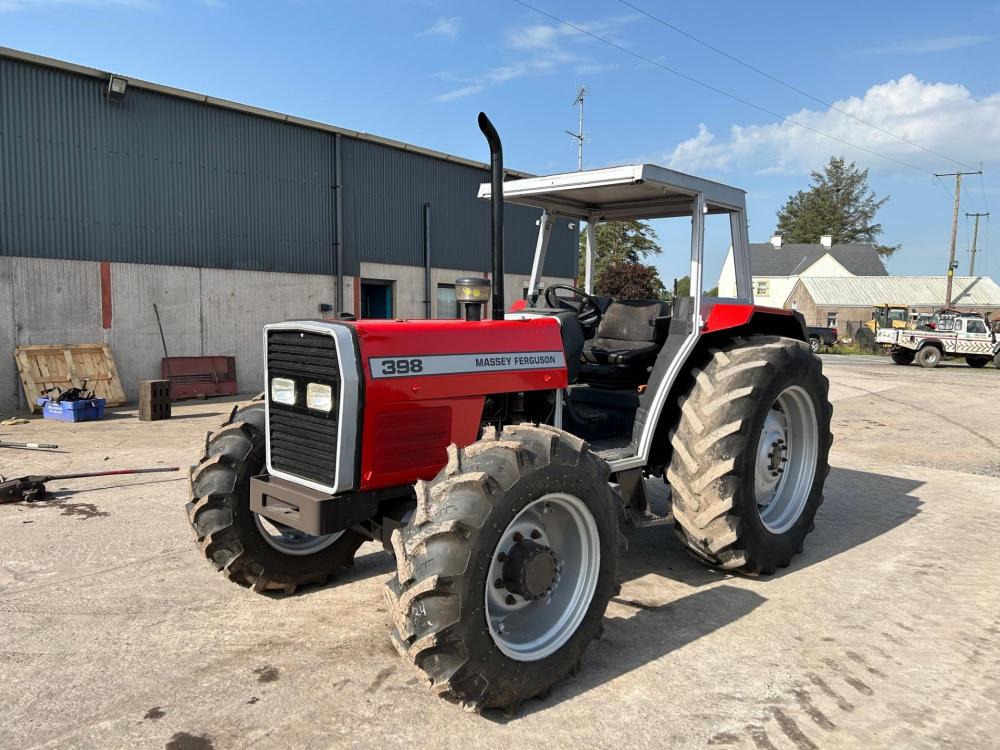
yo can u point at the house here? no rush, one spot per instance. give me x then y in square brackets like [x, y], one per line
[776, 266]
[846, 302]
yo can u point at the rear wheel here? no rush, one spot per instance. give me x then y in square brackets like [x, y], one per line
[902, 356]
[977, 361]
[929, 356]
[813, 344]
[750, 454]
[504, 576]
[250, 549]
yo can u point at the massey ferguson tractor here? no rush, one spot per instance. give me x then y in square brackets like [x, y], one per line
[499, 458]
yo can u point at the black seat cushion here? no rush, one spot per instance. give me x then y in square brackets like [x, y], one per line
[614, 352]
[625, 336]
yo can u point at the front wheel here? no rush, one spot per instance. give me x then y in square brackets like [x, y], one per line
[505, 573]
[751, 454]
[250, 549]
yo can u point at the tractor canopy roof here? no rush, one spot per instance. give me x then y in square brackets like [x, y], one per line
[638, 191]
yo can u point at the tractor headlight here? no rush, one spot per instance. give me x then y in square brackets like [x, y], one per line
[319, 397]
[283, 391]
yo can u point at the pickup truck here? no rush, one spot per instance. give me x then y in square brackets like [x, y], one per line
[947, 335]
[818, 335]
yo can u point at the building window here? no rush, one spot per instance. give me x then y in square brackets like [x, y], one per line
[761, 288]
[831, 320]
[376, 299]
[447, 306]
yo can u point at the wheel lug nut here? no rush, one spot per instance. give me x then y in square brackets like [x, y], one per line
[498, 583]
[510, 600]
[536, 534]
[518, 536]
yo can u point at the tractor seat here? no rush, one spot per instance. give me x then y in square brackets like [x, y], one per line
[625, 344]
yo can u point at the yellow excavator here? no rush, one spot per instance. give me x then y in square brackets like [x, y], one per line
[888, 316]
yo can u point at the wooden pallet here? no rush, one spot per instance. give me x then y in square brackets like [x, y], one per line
[46, 365]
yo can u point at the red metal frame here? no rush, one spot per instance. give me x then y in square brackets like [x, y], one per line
[408, 422]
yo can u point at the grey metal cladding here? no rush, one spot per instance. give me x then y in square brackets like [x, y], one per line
[384, 193]
[166, 180]
[157, 179]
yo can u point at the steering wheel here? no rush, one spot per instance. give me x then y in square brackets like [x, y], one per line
[588, 313]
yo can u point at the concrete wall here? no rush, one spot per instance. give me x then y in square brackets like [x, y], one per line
[203, 311]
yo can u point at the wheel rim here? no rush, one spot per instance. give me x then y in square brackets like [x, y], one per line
[786, 459]
[529, 629]
[291, 541]
[814, 345]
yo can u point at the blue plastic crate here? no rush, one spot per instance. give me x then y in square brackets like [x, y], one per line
[72, 411]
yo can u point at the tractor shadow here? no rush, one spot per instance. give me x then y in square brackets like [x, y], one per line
[653, 616]
[859, 506]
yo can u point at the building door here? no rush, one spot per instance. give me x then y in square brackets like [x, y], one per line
[376, 299]
[447, 306]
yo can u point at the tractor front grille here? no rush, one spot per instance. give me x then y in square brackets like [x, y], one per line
[303, 442]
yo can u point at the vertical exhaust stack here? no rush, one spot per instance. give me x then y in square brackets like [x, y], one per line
[496, 206]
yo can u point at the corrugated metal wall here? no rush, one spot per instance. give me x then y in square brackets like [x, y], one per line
[163, 180]
[157, 179]
[385, 192]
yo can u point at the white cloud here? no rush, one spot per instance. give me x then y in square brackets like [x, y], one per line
[942, 117]
[13, 6]
[926, 46]
[539, 49]
[443, 27]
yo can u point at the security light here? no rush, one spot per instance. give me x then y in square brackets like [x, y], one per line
[116, 88]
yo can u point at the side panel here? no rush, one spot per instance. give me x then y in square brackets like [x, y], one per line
[425, 383]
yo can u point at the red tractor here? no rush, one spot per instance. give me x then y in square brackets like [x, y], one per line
[498, 459]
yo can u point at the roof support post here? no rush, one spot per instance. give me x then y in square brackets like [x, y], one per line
[588, 283]
[741, 255]
[545, 222]
[697, 243]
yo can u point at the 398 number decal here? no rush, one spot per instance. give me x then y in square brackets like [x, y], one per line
[402, 366]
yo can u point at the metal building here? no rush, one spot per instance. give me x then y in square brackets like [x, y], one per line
[117, 193]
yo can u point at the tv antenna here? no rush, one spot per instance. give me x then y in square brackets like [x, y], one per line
[579, 136]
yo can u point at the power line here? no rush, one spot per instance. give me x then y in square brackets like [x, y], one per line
[787, 85]
[715, 89]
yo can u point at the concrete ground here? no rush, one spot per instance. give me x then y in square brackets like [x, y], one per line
[114, 633]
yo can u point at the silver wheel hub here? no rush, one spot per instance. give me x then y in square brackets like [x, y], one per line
[291, 541]
[542, 577]
[786, 459]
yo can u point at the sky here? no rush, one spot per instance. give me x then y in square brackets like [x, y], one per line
[420, 71]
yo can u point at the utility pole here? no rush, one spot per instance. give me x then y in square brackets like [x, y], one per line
[579, 137]
[954, 231]
[975, 236]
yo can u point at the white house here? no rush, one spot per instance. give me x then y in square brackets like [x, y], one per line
[776, 267]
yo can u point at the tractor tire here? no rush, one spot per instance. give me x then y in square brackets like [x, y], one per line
[977, 361]
[248, 550]
[751, 454]
[814, 344]
[902, 356]
[929, 356]
[480, 633]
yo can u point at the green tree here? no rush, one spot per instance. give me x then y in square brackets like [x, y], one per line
[620, 242]
[840, 203]
[624, 279]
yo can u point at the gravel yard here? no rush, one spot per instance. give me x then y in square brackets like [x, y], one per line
[884, 633]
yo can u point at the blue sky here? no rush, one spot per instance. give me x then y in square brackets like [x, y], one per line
[420, 71]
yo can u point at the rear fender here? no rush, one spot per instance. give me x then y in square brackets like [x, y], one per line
[723, 322]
